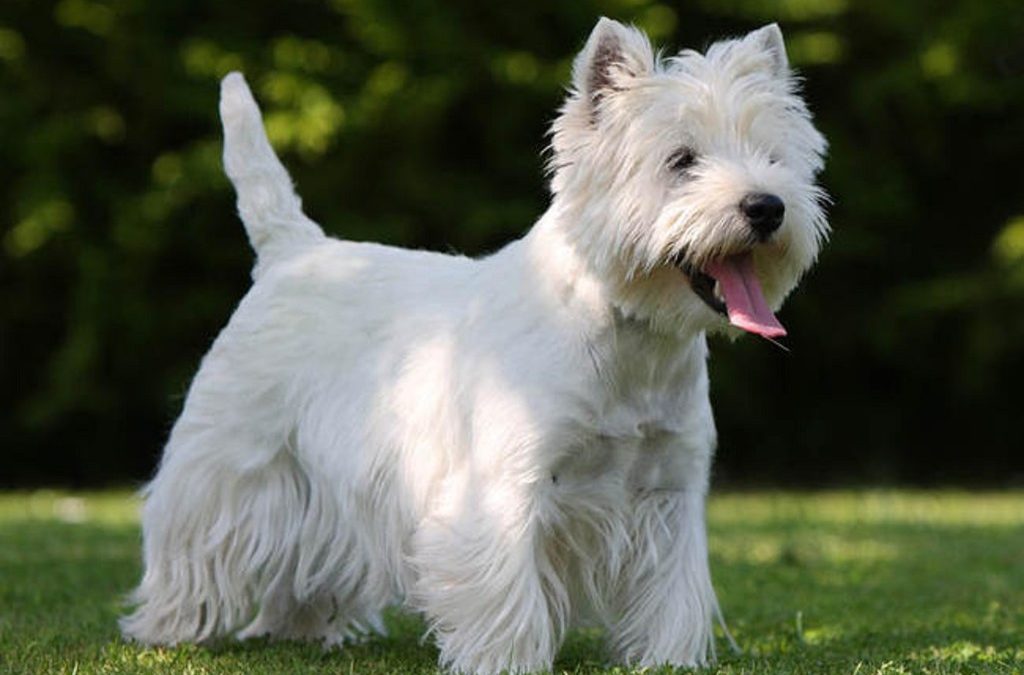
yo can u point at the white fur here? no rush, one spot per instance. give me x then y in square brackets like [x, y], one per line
[510, 445]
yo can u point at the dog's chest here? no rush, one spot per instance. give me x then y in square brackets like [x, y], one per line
[651, 427]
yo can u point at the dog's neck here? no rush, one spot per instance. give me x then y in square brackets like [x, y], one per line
[602, 299]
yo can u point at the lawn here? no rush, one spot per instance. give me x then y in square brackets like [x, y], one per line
[836, 582]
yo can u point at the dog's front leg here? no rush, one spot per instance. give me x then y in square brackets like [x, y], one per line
[484, 581]
[667, 605]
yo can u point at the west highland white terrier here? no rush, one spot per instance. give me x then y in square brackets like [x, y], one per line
[510, 445]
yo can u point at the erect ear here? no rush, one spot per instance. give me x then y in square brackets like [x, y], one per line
[614, 53]
[769, 39]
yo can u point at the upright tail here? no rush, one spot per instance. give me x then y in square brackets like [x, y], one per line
[267, 203]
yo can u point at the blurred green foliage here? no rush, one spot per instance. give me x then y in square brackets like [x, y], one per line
[421, 123]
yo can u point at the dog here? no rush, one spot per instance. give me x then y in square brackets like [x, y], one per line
[512, 445]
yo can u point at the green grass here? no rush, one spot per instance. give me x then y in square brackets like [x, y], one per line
[873, 582]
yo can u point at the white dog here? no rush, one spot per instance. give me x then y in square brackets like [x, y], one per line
[508, 445]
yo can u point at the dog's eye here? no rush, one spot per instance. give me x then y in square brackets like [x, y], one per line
[682, 159]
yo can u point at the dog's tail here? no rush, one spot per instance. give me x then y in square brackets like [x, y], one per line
[267, 203]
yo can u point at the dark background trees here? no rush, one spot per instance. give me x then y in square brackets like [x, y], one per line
[421, 123]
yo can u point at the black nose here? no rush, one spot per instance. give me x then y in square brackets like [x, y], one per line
[763, 211]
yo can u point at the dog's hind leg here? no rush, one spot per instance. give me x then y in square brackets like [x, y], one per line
[327, 591]
[223, 513]
[330, 616]
[211, 539]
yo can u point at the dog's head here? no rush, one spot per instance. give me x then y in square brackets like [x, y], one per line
[688, 183]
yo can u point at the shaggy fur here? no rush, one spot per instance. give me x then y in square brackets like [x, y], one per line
[510, 445]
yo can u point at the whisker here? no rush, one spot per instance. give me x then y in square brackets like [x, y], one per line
[777, 344]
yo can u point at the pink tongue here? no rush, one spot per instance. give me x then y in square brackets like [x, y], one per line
[743, 298]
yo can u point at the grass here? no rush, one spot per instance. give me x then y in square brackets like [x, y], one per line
[839, 582]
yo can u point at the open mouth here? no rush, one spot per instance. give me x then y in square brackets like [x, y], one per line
[706, 287]
[730, 286]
